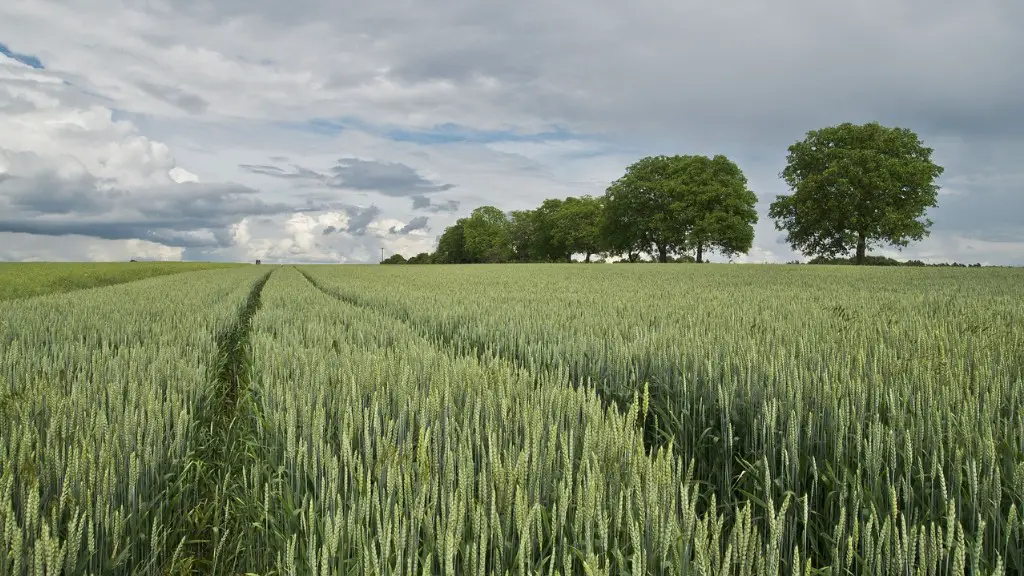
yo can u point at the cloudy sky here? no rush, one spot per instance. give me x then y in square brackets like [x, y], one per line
[319, 130]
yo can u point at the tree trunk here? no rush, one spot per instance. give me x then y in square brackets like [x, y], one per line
[862, 248]
[633, 256]
[662, 254]
[588, 258]
[700, 252]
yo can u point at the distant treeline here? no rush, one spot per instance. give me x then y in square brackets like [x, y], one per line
[674, 208]
[428, 258]
[886, 261]
[854, 187]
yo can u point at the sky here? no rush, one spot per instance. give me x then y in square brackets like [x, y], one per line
[327, 130]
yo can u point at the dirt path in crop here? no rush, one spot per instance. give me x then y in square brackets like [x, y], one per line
[226, 450]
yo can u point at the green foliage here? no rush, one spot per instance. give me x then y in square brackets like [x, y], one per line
[394, 259]
[673, 204]
[870, 260]
[451, 246]
[640, 209]
[854, 187]
[577, 225]
[557, 229]
[540, 235]
[551, 240]
[662, 205]
[21, 280]
[526, 229]
[421, 258]
[488, 235]
[716, 206]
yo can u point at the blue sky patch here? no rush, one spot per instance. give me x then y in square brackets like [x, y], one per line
[118, 115]
[26, 59]
[448, 133]
[451, 133]
[322, 126]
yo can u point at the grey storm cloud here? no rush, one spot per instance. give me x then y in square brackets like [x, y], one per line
[184, 215]
[788, 66]
[417, 223]
[154, 231]
[421, 202]
[388, 178]
[297, 172]
[47, 193]
[191, 103]
[359, 218]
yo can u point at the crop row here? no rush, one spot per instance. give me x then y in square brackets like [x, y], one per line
[103, 395]
[889, 404]
[521, 420]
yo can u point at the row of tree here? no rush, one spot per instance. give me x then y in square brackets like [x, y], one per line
[886, 261]
[665, 205]
[853, 187]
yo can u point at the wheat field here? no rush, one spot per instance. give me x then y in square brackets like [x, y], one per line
[517, 419]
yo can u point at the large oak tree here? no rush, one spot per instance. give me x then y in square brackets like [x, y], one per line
[525, 229]
[550, 242]
[856, 186]
[638, 210]
[673, 204]
[451, 247]
[577, 226]
[716, 207]
[488, 235]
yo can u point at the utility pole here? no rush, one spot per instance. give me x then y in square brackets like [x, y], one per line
[382, 254]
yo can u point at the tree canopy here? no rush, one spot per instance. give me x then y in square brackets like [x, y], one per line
[557, 229]
[716, 209]
[663, 205]
[488, 235]
[394, 259]
[577, 226]
[640, 209]
[856, 186]
[674, 204]
[451, 246]
[549, 241]
[525, 229]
